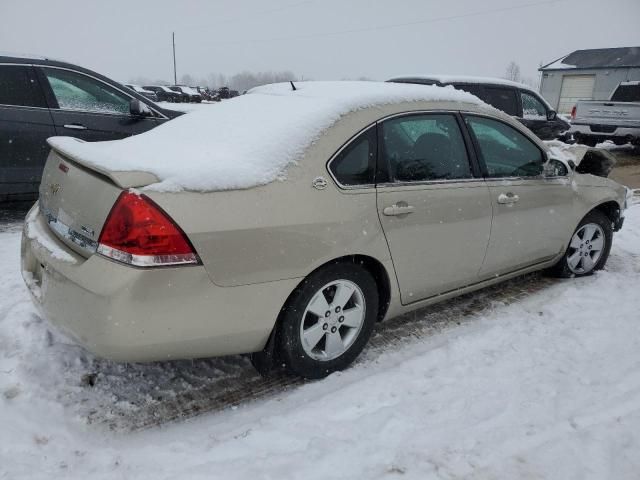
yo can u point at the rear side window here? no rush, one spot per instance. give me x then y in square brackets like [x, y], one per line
[356, 164]
[532, 108]
[470, 88]
[75, 91]
[627, 93]
[18, 87]
[504, 99]
[505, 151]
[420, 148]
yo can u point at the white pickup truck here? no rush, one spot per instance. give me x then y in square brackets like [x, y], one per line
[616, 119]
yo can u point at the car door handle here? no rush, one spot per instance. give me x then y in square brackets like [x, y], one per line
[75, 126]
[508, 198]
[398, 209]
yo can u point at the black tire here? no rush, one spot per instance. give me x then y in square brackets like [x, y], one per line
[562, 269]
[290, 345]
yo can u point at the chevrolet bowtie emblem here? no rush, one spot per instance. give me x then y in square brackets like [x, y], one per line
[54, 188]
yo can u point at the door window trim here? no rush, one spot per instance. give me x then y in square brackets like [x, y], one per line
[483, 166]
[56, 107]
[383, 170]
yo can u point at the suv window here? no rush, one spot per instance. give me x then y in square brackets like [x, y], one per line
[626, 93]
[18, 87]
[424, 147]
[506, 152]
[356, 164]
[532, 108]
[75, 91]
[473, 89]
[504, 99]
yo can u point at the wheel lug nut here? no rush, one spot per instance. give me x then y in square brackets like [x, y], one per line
[333, 329]
[325, 326]
[341, 319]
[337, 309]
[327, 313]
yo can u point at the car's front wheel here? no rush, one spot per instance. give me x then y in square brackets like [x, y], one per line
[328, 320]
[589, 247]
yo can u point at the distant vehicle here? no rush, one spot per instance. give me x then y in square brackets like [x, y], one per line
[144, 92]
[42, 98]
[191, 95]
[165, 94]
[617, 119]
[515, 99]
[392, 205]
[225, 93]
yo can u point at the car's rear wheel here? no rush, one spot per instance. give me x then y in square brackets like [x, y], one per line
[328, 320]
[589, 247]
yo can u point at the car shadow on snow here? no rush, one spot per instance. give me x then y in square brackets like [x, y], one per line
[125, 397]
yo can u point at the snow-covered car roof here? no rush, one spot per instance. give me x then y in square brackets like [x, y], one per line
[189, 90]
[249, 140]
[461, 79]
[139, 89]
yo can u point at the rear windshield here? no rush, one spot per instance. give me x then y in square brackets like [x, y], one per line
[627, 93]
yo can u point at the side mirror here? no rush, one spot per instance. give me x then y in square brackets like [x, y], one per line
[551, 115]
[138, 109]
[572, 164]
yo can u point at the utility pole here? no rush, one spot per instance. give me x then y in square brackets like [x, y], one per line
[175, 75]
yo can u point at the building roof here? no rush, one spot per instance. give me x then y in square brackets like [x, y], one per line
[597, 58]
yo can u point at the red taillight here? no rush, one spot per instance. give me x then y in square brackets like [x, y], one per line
[138, 232]
[573, 113]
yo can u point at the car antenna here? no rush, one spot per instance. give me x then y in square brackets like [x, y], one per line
[292, 85]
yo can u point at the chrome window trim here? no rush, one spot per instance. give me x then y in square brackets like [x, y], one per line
[431, 182]
[105, 83]
[23, 106]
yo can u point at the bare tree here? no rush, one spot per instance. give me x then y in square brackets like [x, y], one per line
[187, 79]
[513, 72]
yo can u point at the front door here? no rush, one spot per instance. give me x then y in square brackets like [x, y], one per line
[90, 109]
[530, 210]
[25, 125]
[434, 210]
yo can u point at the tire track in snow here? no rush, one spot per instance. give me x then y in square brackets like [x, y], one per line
[136, 408]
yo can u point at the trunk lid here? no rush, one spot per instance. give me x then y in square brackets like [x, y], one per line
[75, 200]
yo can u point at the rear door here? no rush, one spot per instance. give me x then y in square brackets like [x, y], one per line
[530, 210]
[88, 108]
[25, 124]
[434, 207]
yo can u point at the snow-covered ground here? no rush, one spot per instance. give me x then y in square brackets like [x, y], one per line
[546, 387]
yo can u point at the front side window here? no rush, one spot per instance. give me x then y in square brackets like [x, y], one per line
[356, 164]
[17, 87]
[532, 108]
[502, 98]
[420, 148]
[506, 152]
[75, 91]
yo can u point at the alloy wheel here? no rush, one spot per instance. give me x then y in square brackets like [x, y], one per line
[332, 320]
[586, 248]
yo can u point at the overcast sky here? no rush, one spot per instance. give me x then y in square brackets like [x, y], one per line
[318, 39]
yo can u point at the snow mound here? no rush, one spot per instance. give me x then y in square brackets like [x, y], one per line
[249, 140]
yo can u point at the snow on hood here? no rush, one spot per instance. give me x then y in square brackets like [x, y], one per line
[246, 141]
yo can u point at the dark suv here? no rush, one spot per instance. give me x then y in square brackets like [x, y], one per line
[513, 98]
[41, 98]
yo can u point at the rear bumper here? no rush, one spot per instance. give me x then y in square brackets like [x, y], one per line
[131, 314]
